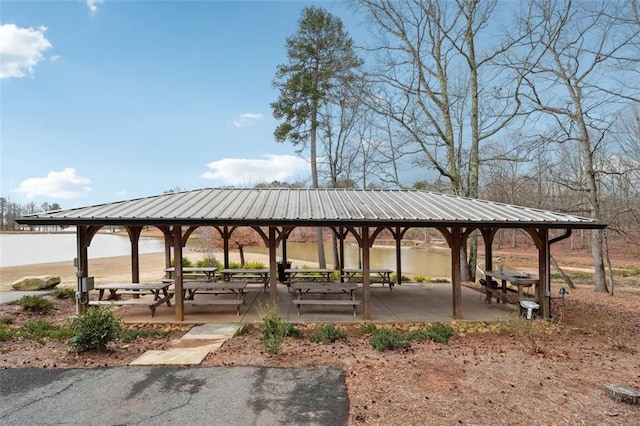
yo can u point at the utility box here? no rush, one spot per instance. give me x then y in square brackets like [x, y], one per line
[86, 284]
[529, 309]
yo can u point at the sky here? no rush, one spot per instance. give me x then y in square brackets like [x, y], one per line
[107, 100]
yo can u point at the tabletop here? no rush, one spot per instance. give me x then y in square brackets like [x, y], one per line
[324, 286]
[244, 271]
[515, 277]
[132, 286]
[205, 269]
[371, 271]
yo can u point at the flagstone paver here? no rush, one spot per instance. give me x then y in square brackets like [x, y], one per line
[192, 348]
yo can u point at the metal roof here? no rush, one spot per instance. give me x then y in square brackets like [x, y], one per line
[310, 207]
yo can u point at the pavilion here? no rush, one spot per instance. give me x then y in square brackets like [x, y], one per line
[275, 212]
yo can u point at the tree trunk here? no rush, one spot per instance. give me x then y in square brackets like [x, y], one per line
[241, 251]
[564, 276]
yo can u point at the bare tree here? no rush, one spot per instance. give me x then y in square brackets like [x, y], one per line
[583, 48]
[444, 94]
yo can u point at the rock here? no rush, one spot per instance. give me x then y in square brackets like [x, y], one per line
[42, 282]
[623, 394]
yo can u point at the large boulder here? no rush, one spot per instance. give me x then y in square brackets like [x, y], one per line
[42, 282]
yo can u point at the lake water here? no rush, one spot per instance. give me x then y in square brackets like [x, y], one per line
[26, 249]
[428, 263]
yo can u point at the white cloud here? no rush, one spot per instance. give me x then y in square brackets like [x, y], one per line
[247, 118]
[20, 49]
[244, 171]
[93, 5]
[121, 193]
[62, 185]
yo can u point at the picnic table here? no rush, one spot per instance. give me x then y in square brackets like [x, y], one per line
[307, 288]
[381, 275]
[254, 275]
[191, 288]
[159, 291]
[205, 271]
[309, 274]
[517, 279]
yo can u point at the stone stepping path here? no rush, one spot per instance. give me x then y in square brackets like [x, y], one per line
[191, 348]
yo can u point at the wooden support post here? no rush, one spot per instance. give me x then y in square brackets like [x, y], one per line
[273, 289]
[544, 274]
[81, 268]
[177, 260]
[366, 279]
[456, 245]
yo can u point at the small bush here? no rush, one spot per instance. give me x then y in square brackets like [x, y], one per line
[38, 330]
[6, 319]
[255, 265]
[234, 265]
[335, 275]
[418, 278]
[35, 304]
[274, 328]
[383, 338]
[95, 329]
[532, 334]
[394, 278]
[186, 263]
[438, 332]
[208, 262]
[64, 293]
[6, 333]
[328, 334]
[367, 328]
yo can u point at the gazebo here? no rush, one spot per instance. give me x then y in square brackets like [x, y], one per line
[275, 212]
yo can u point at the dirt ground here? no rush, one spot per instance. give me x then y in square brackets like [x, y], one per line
[515, 372]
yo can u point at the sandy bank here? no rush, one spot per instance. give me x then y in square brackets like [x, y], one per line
[113, 269]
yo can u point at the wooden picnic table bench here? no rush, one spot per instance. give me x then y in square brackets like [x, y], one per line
[377, 275]
[194, 271]
[158, 290]
[517, 279]
[305, 288]
[192, 288]
[260, 276]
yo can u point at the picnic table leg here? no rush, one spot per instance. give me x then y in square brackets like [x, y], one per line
[504, 291]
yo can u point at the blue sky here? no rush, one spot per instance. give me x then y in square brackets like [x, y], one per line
[110, 100]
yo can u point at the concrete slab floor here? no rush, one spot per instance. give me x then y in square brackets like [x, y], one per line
[409, 302]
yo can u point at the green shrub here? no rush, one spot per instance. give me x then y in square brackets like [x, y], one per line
[186, 263]
[335, 275]
[95, 329]
[367, 328]
[418, 278]
[383, 338]
[6, 333]
[255, 265]
[274, 328]
[38, 330]
[208, 262]
[438, 332]
[328, 334]
[234, 265]
[35, 304]
[64, 293]
[6, 319]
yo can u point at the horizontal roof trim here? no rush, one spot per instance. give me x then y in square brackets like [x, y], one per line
[312, 207]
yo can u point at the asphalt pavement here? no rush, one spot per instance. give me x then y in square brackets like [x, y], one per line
[174, 395]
